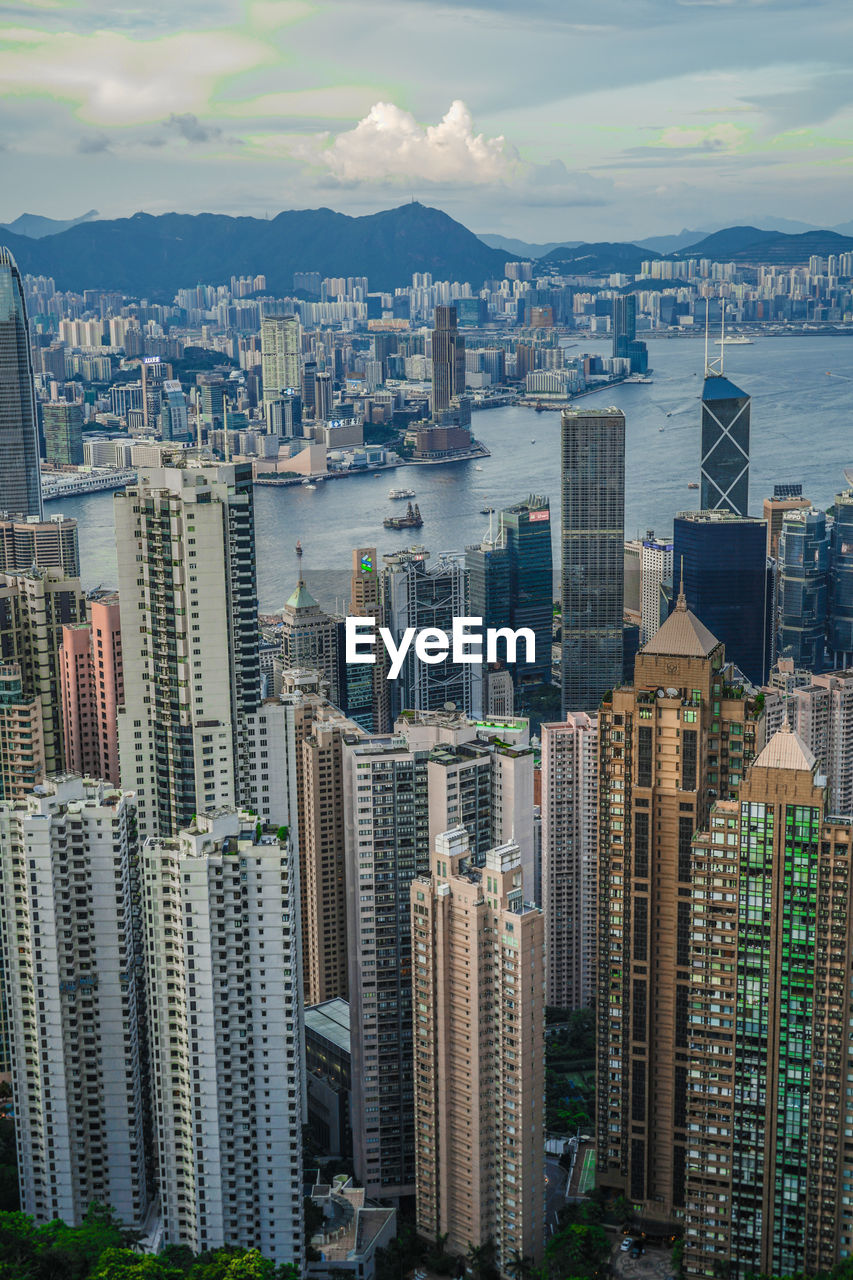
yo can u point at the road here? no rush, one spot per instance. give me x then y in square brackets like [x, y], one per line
[555, 1193]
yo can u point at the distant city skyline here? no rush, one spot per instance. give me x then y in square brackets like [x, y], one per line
[536, 123]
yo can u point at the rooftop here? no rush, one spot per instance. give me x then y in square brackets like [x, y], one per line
[786, 750]
[682, 635]
[718, 387]
[331, 1020]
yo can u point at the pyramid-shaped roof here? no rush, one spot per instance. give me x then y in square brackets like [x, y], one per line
[718, 387]
[682, 635]
[301, 598]
[786, 750]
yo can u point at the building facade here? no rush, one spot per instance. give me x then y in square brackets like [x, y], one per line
[448, 359]
[656, 568]
[63, 433]
[46, 543]
[724, 465]
[91, 678]
[20, 480]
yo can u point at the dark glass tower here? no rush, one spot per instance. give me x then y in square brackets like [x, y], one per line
[725, 446]
[527, 530]
[448, 359]
[728, 583]
[840, 633]
[624, 330]
[593, 555]
[802, 589]
[20, 479]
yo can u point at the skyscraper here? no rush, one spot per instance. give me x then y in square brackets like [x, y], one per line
[92, 685]
[63, 433]
[478, 951]
[20, 481]
[840, 631]
[593, 568]
[222, 962]
[281, 353]
[367, 601]
[448, 359]
[624, 329]
[74, 1000]
[724, 468]
[671, 744]
[309, 637]
[43, 543]
[570, 858]
[821, 712]
[527, 531]
[729, 583]
[656, 568]
[802, 584]
[189, 624]
[786, 497]
[767, 1102]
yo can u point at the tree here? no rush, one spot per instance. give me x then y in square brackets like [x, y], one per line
[519, 1267]
[481, 1259]
[576, 1250]
[124, 1264]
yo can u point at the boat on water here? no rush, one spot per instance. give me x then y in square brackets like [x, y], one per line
[308, 484]
[739, 340]
[532, 441]
[693, 484]
[396, 494]
[486, 511]
[539, 406]
[478, 468]
[411, 520]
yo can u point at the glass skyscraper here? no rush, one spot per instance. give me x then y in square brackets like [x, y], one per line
[527, 529]
[802, 589]
[725, 446]
[840, 633]
[593, 557]
[20, 479]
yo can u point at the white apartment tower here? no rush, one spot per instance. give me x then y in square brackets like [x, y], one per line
[223, 986]
[822, 714]
[656, 569]
[67, 858]
[281, 352]
[569, 857]
[189, 623]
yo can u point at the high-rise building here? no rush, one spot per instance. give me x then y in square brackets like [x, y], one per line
[63, 433]
[656, 568]
[189, 624]
[786, 497]
[74, 1003]
[478, 986]
[20, 481]
[527, 532]
[724, 469]
[222, 968]
[92, 684]
[592, 570]
[367, 601]
[34, 608]
[324, 397]
[309, 636]
[767, 1101]
[822, 714]
[680, 738]
[624, 330]
[173, 422]
[21, 737]
[45, 543]
[448, 359]
[423, 595]
[281, 354]
[211, 399]
[570, 857]
[840, 630]
[802, 588]
[729, 583]
[155, 373]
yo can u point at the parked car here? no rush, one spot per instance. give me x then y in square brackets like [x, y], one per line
[626, 1245]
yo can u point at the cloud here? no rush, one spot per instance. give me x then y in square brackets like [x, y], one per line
[93, 145]
[191, 129]
[717, 137]
[389, 145]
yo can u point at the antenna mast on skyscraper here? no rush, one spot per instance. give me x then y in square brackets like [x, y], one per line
[713, 365]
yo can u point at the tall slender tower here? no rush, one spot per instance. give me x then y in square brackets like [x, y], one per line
[189, 625]
[724, 470]
[448, 359]
[593, 565]
[20, 479]
[281, 350]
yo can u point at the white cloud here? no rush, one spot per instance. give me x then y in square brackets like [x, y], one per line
[389, 144]
[717, 137]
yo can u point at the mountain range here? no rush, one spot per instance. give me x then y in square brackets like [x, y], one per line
[153, 256]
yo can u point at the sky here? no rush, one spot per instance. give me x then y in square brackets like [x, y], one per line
[542, 119]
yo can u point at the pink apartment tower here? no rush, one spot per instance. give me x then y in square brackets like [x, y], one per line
[93, 690]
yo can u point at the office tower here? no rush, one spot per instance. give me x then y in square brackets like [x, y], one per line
[768, 1102]
[802, 583]
[174, 423]
[189, 625]
[222, 971]
[73, 1001]
[478, 985]
[309, 636]
[155, 372]
[570, 857]
[324, 397]
[729, 583]
[633, 603]
[840, 630]
[488, 571]
[92, 686]
[63, 433]
[671, 744]
[656, 567]
[20, 481]
[211, 397]
[281, 354]
[498, 694]
[527, 530]
[328, 1069]
[786, 497]
[45, 543]
[367, 601]
[21, 739]
[592, 584]
[400, 790]
[421, 595]
[309, 388]
[624, 329]
[724, 459]
[448, 359]
[822, 714]
[34, 607]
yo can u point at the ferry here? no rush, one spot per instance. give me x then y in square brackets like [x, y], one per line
[68, 484]
[308, 484]
[486, 511]
[739, 340]
[396, 494]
